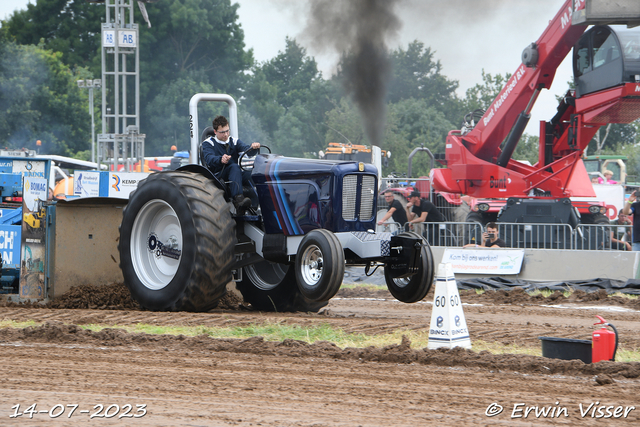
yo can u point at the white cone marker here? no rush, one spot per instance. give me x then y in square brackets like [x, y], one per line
[448, 326]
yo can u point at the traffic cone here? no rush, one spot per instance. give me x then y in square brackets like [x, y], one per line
[448, 326]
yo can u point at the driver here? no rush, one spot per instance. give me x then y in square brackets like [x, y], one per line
[221, 155]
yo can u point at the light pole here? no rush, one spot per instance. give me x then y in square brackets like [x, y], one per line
[90, 84]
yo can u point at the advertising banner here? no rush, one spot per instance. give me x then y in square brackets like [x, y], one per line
[121, 184]
[484, 261]
[10, 236]
[34, 223]
[86, 184]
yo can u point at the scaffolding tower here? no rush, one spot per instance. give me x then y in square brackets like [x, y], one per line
[120, 142]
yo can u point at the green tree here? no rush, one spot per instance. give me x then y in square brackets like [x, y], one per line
[611, 139]
[527, 149]
[633, 155]
[71, 27]
[200, 40]
[250, 130]
[410, 124]
[344, 124]
[261, 101]
[194, 35]
[39, 100]
[169, 117]
[197, 39]
[413, 123]
[482, 95]
[422, 124]
[290, 98]
[415, 74]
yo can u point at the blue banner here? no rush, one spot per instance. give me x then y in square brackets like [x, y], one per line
[10, 237]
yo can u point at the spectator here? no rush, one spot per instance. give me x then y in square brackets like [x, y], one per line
[595, 180]
[607, 178]
[395, 210]
[490, 238]
[422, 210]
[632, 208]
[621, 237]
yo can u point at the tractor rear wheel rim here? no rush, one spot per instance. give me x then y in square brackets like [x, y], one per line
[266, 275]
[156, 244]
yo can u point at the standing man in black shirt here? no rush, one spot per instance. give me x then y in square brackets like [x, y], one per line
[395, 211]
[422, 210]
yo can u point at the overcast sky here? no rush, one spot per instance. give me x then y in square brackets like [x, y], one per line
[466, 35]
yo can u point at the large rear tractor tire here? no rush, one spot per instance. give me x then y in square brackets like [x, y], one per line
[270, 286]
[177, 242]
[596, 238]
[416, 287]
[598, 219]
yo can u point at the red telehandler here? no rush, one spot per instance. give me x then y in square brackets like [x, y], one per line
[606, 63]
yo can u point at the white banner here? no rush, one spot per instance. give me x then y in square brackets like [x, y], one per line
[484, 261]
[125, 38]
[121, 184]
[86, 184]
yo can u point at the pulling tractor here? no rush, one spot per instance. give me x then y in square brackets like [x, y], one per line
[182, 240]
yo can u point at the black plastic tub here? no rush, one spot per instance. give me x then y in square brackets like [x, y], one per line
[566, 349]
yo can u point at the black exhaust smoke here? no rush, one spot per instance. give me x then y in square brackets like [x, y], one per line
[358, 30]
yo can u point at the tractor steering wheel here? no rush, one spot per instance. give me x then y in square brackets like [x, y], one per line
[243, 154]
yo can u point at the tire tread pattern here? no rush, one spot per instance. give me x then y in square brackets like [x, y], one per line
[212, 229]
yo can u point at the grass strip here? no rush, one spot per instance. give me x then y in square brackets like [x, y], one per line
[273, 331]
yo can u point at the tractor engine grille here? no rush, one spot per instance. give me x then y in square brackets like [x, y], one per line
[352, 191]
[367, 196]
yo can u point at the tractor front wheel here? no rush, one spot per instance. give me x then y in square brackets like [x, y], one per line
[319, 265]
[413, 288]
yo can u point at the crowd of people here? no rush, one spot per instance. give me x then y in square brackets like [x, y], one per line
[624, 231]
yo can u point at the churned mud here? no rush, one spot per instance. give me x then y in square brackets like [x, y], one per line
[186, 381]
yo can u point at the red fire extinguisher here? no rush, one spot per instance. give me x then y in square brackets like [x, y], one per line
[605, 342]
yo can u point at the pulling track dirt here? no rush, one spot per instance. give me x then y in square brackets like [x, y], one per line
[187, 381]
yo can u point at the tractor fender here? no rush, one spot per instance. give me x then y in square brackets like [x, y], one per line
[199, 169]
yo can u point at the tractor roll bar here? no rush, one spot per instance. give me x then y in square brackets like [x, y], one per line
[193, 119]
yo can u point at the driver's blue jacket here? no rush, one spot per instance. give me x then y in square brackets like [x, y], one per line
[212, 151]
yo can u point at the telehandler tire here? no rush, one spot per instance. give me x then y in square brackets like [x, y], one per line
[473, 233]
[416, 287]
[270, 286]
[177, 242]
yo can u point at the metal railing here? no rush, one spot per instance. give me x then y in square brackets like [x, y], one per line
[601, 237]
